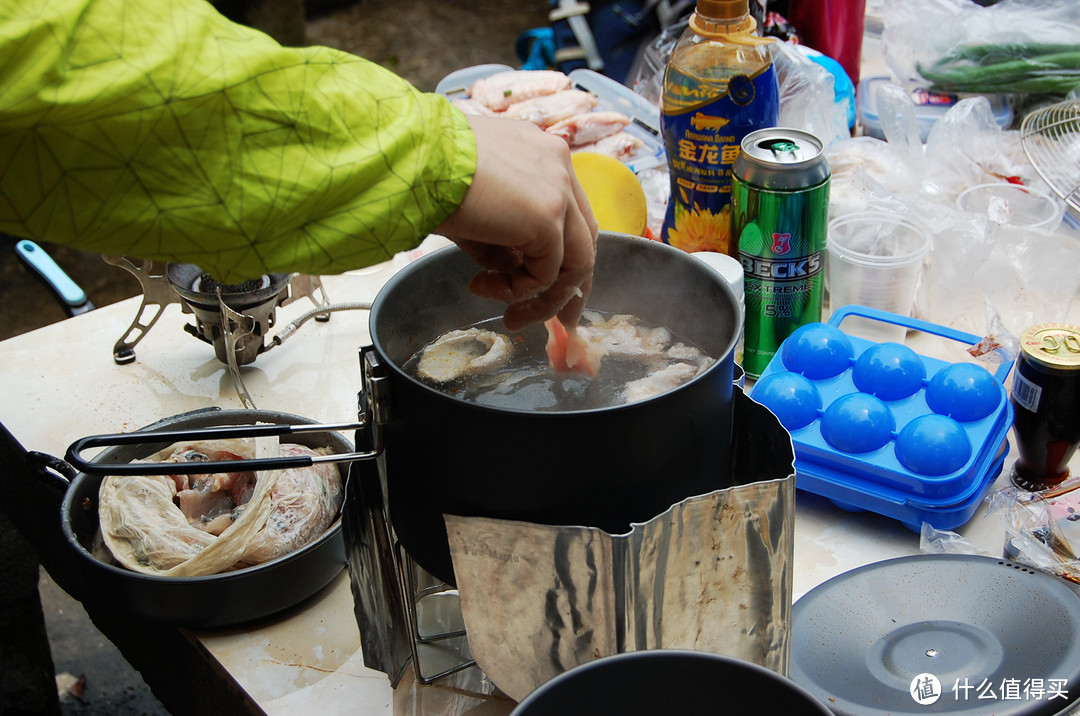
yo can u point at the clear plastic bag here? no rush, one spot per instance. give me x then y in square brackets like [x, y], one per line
[808, 98]
[144, 529]
[1042, 530]
[935, 541]
[1013, 46]
[1018, 276]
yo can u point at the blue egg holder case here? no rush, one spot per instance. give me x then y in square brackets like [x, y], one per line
[877, 427]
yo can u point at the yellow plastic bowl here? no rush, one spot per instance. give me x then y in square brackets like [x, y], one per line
[614, 192]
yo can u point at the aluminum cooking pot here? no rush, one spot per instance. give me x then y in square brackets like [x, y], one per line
[213, 600]
[669, 681]
[604, 468]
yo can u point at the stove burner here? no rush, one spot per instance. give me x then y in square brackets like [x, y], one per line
[205, 283]
[236, 334]
[234, 318]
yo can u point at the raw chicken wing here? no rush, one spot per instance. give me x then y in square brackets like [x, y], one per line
[503, 89]
[589, 127]
[620, 145]
[546, 110]
[471, 106]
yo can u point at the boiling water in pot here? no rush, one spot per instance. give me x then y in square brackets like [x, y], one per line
[512, 371]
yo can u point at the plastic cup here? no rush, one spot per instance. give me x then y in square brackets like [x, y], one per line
[875, 260]
[1012, 204]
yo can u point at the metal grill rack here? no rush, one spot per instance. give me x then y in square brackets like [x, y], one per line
[1051, 139]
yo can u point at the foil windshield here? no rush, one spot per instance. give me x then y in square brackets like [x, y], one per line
[711, 574]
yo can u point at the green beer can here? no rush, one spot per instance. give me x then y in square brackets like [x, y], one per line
[779, 215]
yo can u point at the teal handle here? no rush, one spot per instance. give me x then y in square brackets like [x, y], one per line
[36, 257]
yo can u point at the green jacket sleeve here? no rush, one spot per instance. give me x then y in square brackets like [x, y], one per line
[163, 130]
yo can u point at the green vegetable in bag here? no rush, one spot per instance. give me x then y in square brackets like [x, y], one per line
[1033, 68]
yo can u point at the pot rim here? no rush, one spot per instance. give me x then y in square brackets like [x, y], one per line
[605, 663]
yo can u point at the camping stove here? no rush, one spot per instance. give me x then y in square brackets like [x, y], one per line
[711, 573]
[234, 318]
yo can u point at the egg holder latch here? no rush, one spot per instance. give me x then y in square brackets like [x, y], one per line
[878, 427]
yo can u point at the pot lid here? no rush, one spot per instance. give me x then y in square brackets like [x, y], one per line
[953, 634]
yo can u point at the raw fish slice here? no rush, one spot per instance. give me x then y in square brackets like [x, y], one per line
[460, 353]
[202, 504]
[547, 110]
[661, 381]
[621, 146]
[589, 127]
[621, 335]
[503, 89]
[471, 106]
[569, 352]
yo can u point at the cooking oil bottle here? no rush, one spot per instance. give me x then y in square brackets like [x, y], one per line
[719, 85]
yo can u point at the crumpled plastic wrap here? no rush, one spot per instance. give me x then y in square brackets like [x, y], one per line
[143, 529]
[1042, 530]
[959, 40]
[807, 99]
[935, 541]
[1015, 276]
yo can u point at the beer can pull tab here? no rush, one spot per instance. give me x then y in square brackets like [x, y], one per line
[780, 146]
[1061, 344]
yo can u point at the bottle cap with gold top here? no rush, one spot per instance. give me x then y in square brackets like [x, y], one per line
[1053, 345]
[723, 9]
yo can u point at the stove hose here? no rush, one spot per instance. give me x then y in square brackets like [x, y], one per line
[292, 327]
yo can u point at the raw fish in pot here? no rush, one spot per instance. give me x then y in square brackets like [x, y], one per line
[604, 467]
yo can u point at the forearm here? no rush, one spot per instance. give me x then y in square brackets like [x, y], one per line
[183, 137]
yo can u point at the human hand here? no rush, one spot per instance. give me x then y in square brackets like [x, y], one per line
[526, 221]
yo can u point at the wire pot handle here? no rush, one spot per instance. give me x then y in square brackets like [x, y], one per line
[75, 458]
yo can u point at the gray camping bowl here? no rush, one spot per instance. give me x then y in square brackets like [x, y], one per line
[668, 681]
[215, 600]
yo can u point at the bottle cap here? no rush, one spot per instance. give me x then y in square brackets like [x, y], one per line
[723, 9]
[727, 266]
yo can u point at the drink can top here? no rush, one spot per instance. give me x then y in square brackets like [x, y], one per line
[1054, 345]
[782, 158]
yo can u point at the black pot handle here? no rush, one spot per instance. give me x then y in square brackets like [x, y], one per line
[373, 412]
[53, 471]
[146, 437]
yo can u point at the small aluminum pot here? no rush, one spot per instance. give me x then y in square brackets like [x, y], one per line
[605, 468]
[215, 600]
[671, 681]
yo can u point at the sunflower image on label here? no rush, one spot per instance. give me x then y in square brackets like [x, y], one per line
[702, 133]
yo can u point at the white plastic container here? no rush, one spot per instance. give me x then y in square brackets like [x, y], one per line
[644, 116]
[732, 271]
[1012, 204]
[929, 108]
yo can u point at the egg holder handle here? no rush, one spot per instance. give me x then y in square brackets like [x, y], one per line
[877, 314]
